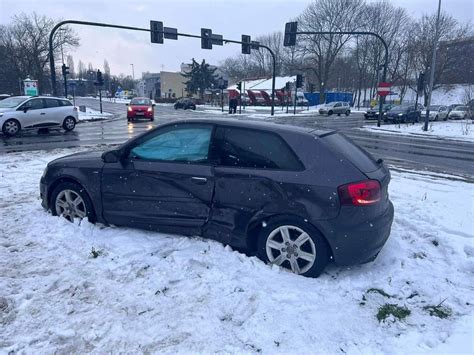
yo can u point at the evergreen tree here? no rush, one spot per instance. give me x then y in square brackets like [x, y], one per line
[200, 77]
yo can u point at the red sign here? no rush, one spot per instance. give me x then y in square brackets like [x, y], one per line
[383, 89]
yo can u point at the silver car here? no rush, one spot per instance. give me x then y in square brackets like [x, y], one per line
[437, 112]
[26, 112]
[337, 107]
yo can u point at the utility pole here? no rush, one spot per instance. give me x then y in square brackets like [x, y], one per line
[433, 62]
[294, 101]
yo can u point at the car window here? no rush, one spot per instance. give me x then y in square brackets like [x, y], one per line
[52, 103]
[33, 104]
[144, 101]
[65, 102]
[246, 148]
[338, 105]
[182, 144]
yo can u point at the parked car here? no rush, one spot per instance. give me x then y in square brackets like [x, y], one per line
[373, 113]
[437, 112]
[337, 107]
[4, 96]
[459, 113]
[185, 104]
[25, 112]
[453, 106]
[403, 113]
[140, 107]
[254, 186]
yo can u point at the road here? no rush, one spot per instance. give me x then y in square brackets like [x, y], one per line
[438, 155]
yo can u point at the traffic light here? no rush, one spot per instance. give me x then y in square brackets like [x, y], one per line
[206, 38]
[299, 81]
[156, 31]
[290, 34]
[239, 86]
[65, 70]
[246, 44]
[100, 80]
[421, 82]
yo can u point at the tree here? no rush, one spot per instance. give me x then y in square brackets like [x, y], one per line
[200, 77]
[26, 42]
[320, 51]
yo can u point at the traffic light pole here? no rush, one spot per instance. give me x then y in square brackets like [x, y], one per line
[99, 24]
[366, 33]
[65, 85]
[294, 100]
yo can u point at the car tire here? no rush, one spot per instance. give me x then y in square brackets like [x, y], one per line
[348, 113]
[11, 127]
[339, 115]
[63, 199]
[69, 123]
[152, 119]
[271, 239]
[329, 113]
[436, 118]
[175, 107]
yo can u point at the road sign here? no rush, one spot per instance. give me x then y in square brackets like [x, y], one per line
[31, 87]
[383, 89]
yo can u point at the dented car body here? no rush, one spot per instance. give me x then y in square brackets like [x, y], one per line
[224, 179]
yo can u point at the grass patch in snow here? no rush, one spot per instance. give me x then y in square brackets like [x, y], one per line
[389, 309]
[95, 253]
[379, 291]
[439, 310]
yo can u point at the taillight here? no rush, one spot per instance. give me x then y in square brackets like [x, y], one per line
[361, 193]
[130, 108]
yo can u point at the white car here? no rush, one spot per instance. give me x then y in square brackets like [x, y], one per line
[437, 112]
[458, 113]
[36, 112]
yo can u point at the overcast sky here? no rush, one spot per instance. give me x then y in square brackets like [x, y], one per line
[229, 18]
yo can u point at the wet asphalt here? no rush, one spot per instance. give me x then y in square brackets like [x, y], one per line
[410, 152]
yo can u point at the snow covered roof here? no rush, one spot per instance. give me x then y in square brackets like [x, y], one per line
[265, 84]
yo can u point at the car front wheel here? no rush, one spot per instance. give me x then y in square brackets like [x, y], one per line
[11, 127]
[348, 113]
[69, 123]
[70, 200]
[329, 113]
[297, 247]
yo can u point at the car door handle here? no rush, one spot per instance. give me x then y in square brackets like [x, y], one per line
[199, 180]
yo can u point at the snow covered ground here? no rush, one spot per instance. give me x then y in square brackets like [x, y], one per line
[93, 115]
[90, 288]
[454, 130]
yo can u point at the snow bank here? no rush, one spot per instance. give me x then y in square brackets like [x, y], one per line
[454, 130]
[93, 115]
[90, 288]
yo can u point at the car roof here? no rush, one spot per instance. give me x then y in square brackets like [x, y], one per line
[267, 126]
[40, 97]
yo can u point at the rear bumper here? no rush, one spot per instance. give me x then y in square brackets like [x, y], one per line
[355, 239]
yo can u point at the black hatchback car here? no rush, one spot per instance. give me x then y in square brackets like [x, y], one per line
[296, 197]
[185, 104]
[403, 114]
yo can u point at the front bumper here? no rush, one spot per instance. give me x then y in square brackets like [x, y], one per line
[357, 243]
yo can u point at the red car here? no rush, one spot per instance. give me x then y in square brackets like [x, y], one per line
[140, 107]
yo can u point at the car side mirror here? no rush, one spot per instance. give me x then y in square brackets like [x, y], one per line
[25, 109]
[111, 156]
[153, 105]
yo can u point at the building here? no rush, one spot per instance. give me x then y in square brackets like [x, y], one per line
[149, 85]
[172, 84]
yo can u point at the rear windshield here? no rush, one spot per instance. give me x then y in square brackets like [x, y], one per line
[339, 143]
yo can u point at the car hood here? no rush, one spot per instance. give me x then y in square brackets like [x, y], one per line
[6, 109]
[83, 159]
[458, 112]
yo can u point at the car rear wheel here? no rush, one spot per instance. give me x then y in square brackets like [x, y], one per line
[69, 124]
[298, 247]
[329, 113]
[70, 200]
[348, 113]
[11, 127]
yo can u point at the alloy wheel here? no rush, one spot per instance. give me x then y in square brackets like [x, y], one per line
[70, 205]
[69, 123]
[292, 248]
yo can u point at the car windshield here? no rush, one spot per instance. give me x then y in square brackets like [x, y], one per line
[400, 108]
[11, 102]
[460, 108]
[140, 101]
